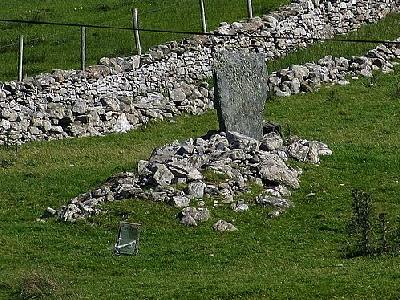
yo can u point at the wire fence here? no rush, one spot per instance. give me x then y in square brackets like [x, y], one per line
[135, 29]
[199, 33]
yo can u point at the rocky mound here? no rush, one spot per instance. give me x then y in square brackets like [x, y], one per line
[206, 172]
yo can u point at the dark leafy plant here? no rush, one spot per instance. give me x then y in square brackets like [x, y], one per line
[369, 234]
[383, 233]
[396, 93]
[359, 227]
[395, 236]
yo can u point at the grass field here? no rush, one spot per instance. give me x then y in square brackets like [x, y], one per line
[50, 47]
[298, 255]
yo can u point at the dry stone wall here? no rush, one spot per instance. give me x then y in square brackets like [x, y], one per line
[122, 94]
[333, 70]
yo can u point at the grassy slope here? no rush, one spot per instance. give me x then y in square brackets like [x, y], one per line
[297, 255]
[50, 47]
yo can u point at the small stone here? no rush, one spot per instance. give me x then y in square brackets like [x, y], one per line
[79, 107]
[266, 200]
[142, 168]
[162, 175]
[226, 195]
[194, 174]
[34, 130]
[196, 214]
[122, 124]
[177, 95]
[343, 82]
[274, 214]
[48, 213]
[299, 149]
[136, 61]
[56, 129]
[222, 226]
[241, 207]
[274, 169]
[188, 220]
[271, 141]
[180, 201]
[312, 155]
[196, 189]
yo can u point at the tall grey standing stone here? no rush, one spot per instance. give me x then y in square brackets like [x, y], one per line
[240, 92]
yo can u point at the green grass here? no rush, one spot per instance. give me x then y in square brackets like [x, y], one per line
[298, 255]
[52, 47]
[385, 29]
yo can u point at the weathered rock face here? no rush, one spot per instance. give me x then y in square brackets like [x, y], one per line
[177, 175]
[124, 93]
[240, 92]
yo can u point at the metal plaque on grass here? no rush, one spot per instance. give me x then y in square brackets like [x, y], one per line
[127, 242]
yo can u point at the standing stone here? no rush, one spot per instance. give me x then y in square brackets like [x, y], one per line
[240, 91]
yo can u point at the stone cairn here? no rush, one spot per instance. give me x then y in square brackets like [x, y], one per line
[179, 173]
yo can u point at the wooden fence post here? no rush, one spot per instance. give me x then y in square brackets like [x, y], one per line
[203, 16]
[83, 47]
[135, 26]
[249, 9]
[21, 58]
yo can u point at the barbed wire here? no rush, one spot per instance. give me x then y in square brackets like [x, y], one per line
[198, 33]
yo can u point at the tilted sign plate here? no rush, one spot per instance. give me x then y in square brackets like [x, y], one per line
[127, 242]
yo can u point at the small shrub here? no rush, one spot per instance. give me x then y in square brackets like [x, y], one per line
[369, 234]
[396, 93]
[383, 230]
[395, 237]
[359, 227]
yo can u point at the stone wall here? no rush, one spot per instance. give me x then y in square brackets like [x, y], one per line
[122, 94]
[333, 70]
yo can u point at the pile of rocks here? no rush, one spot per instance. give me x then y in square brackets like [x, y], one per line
[304, 78]
[121, 94]
[181, 174]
